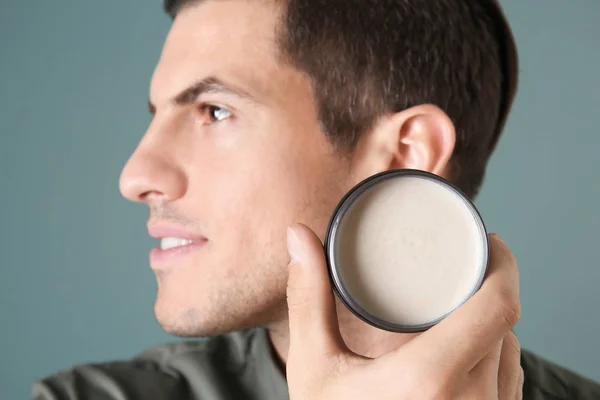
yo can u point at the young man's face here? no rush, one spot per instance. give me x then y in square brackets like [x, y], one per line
[231, 167]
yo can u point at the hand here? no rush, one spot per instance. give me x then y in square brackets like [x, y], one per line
[471, 354]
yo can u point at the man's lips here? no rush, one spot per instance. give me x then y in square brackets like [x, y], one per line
[159, 231]
[175, 242]
[160, 258]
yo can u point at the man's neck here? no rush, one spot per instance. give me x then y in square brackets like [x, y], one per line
[360, 337]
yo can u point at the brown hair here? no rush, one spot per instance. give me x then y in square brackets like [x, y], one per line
[371, 57]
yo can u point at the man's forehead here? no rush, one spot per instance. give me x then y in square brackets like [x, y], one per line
[232, 38]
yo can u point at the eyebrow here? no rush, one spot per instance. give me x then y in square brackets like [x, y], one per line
[210, 84]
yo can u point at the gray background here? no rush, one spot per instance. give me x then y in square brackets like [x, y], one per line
[74, 281]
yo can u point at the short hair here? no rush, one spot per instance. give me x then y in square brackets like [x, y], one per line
[366, 58]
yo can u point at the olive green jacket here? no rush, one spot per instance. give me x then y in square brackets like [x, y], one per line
[240, 365]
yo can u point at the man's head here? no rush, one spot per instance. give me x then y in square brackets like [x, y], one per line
[266, 112]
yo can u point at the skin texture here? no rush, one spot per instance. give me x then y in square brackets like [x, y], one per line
[238, 182]
[235, 167]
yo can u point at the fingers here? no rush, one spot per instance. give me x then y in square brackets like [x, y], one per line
[484, 376]
[312, 315]
[499, 372]
[467, 335]
[509, 371]
[520, 383]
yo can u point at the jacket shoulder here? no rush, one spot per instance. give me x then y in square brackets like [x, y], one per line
[545, 380]
[162, 372]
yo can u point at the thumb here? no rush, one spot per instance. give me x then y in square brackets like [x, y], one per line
[311, 305]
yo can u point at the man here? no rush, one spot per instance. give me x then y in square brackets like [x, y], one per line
[265, 114]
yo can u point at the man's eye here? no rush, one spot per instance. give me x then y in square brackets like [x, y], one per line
[215, 113]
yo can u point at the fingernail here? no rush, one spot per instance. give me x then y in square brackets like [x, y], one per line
[293, 244]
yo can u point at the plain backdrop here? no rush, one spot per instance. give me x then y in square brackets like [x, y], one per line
[74, 279]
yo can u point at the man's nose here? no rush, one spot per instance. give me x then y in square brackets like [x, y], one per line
[151, 174]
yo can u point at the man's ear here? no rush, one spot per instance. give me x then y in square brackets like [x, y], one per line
[421, 137]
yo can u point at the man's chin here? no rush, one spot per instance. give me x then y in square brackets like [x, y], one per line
[184, 331]
[189, 322]
[204, 312]
[193, 322]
